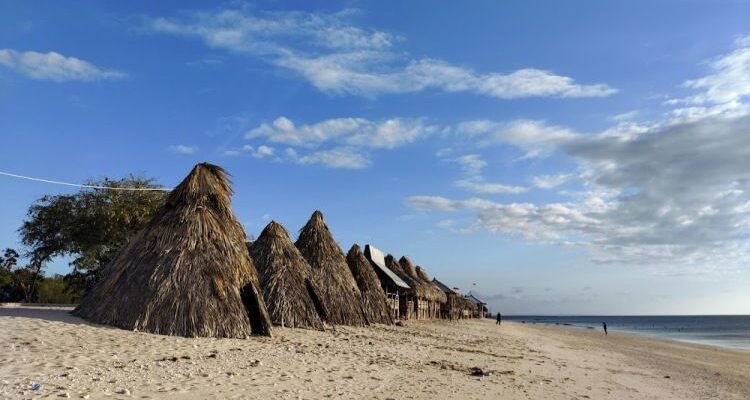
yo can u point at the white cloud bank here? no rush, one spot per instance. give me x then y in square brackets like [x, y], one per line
[54, 66]
[339, 142]
[338, 57]
[674, 193]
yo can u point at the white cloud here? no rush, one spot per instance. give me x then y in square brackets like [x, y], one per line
[481, 187]
[261, 151]
[336, 158]
[336, 56]
[54, 66]
[471, 164]
[551, 181]
[730, 81]
[535, 137]
[673, 194]
[183, 149]
[355, 132]
[339, 142]
[721, 93]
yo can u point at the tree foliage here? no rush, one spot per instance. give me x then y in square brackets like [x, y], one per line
[90, 226]
[17, 283]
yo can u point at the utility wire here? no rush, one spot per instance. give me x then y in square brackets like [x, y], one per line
[84, 186]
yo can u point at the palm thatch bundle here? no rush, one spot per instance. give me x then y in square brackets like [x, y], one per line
[187, 273]
[374, 301]
[289, 289]
[338, 289]
[431, 292]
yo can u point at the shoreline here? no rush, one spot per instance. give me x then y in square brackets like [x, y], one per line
[645, 335]
[706, 337]
[422, 360]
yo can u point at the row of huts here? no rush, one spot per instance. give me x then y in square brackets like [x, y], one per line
[192, 272]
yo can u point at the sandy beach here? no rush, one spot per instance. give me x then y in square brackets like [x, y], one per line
[421, 360]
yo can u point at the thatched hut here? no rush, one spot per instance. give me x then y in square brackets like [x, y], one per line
[338, 289]
[374, 300]
[440, 297]
[187, 273]
[428, 297]
[410, 300]
[480, 307]
[455, 307]
[289, 289]
[394, 287]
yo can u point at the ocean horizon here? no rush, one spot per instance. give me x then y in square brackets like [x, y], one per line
[728, 331]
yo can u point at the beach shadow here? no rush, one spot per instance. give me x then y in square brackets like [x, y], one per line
[54, 314]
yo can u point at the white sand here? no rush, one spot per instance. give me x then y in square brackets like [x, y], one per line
[427, 360]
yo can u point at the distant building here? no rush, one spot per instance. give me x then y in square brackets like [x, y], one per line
[480, 307]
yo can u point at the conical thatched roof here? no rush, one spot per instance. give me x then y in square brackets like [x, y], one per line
[289, 289]
[338, 289]
[416, 289]
[187, 273]
[374, 302]
[422, 274]
[430, 291]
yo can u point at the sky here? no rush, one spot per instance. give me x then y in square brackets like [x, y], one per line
[579, 157]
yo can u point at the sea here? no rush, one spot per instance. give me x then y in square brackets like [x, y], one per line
[730, 331]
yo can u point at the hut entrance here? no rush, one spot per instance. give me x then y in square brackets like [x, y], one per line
[316, 300]
[250, 296]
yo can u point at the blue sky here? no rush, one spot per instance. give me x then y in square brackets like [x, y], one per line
[554, 157]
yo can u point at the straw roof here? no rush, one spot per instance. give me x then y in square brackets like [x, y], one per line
[187, 273]
[416, 289]
[422, 274]
[338, 289]
[289, 289]
[374, 302]
[430, 291]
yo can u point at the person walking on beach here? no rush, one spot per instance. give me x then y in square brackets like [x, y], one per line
[604, 325]
[499, 319]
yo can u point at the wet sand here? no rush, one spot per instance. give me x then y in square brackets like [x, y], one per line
[422, 360]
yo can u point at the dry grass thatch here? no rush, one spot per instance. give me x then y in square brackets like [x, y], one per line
[431, 292]
[416, 289]
[374, 301]
[422, 274]
[338, 289]
[289, 289]
[187, 273]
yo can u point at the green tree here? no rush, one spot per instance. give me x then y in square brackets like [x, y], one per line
[90, 226]
[17, 283]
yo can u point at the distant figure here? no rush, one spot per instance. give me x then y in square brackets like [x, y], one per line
[604, 325]
[499, 319]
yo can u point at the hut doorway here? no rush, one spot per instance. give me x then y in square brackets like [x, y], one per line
[250, 296]
[316, 300]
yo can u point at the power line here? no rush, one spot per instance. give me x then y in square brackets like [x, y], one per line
[84, 186]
